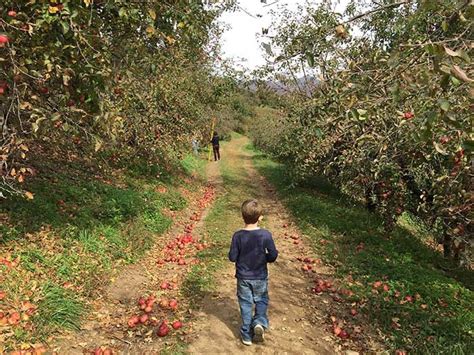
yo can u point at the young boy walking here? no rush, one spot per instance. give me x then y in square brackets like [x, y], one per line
[251, 249]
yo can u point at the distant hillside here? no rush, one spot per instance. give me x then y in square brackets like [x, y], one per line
[306, 85]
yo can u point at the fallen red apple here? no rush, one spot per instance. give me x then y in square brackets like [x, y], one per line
[408, 115]
[143, 318]
[173, 304]
[177, 324]
[444, 139]
[44, 90]
[107, 352]
[14, 318]
[148, 309]
[11, 13]
[164, 285]
[163, 329]
[133, 321]
[2, 295]
[377, 284]
[343, 334]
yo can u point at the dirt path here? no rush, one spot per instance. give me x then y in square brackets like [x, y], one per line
[293, 311]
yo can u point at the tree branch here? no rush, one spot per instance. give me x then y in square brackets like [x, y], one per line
[385, 7]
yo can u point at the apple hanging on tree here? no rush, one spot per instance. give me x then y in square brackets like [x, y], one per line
[4, 40]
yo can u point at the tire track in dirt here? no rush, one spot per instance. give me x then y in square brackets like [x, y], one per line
[293, 309]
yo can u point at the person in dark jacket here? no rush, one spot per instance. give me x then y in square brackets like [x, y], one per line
[215, 146]
[251, 249]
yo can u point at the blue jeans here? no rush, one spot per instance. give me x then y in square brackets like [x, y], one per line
[250, 293]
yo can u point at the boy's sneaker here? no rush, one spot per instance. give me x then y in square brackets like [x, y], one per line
[259, 333]
[246, 342]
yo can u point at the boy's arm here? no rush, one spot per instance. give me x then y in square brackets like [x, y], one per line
[272, 252]
[234, 250]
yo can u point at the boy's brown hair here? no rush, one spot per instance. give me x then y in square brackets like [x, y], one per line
[251, 211]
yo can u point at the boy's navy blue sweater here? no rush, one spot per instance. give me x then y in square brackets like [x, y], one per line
[251, 251]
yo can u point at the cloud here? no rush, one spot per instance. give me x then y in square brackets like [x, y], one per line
[240, 40]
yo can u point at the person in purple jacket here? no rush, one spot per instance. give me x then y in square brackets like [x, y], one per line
[251, 249]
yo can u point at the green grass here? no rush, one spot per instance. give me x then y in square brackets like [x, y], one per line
[79, 229]
[336, 226]
[59, 309]
[192, 164]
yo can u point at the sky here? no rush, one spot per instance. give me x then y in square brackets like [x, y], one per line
[240, 39]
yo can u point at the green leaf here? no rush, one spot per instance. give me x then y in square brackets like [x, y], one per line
[65, 27]
[310, 59]
[123, 12]
[444, 104]
[445, 26]
[468, 145]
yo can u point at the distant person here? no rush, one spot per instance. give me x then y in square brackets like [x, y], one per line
[215, 146]
[195, 144]
[251, 249]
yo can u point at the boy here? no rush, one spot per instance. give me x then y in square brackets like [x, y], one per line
[251, 249]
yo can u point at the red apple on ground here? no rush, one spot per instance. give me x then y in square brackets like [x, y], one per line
[133, 321]
[163, 329]
[177, 324]
[143, 318]
[173, 304]
[343, 334]
[408, 115]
